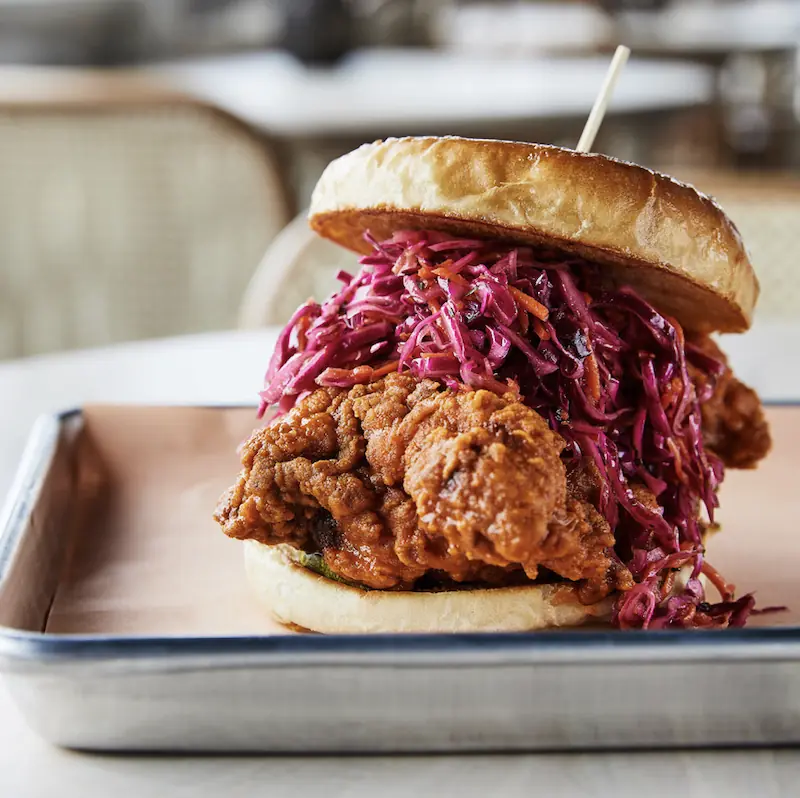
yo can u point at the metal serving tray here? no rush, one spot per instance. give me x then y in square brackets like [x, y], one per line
[309, 693]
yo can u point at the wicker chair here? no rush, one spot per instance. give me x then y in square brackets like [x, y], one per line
[766, 209]
[298, 265]
[126, 212]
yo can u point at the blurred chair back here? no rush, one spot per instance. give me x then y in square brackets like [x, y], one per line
[126, 212]
[298, 265]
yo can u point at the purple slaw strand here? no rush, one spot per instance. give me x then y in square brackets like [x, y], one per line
[608, 371]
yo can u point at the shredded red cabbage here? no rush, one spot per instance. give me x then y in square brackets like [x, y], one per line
[606, 369]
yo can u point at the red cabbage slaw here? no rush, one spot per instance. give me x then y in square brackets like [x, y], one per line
[608, 371]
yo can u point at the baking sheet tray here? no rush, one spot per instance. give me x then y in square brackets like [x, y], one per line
[126, 624]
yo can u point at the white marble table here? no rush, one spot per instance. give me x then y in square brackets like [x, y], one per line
[228, 368]
[404, 91]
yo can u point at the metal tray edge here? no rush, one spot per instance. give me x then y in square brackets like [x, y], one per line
[27, 483]
[21, 649]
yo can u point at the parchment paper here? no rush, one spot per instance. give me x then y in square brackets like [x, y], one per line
[154, 562]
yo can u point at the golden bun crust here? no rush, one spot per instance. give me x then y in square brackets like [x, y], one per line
[299, 597]
[670, 242]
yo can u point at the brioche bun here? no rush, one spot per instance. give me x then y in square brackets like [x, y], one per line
[673, 244]
[296, 596]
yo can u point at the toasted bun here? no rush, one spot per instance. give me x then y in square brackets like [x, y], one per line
[672, 243]
[299, 597]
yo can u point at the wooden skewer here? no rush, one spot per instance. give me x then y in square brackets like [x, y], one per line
[601, 103]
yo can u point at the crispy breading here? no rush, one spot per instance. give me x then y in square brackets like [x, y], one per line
[404, 478]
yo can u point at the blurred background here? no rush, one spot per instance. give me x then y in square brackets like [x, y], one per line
[156, 155]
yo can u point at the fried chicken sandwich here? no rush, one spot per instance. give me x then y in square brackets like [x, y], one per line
[512, 416]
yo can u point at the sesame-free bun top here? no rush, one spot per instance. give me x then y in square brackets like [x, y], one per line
[664, 238]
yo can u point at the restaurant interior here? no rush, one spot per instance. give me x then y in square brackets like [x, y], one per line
[157, 161]
[157, 157]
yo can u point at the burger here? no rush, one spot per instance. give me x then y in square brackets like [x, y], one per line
[513, 416]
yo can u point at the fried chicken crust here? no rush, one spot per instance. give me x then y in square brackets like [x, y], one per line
[734, 426]
[403, 478]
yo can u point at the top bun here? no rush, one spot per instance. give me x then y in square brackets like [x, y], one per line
[673, 244]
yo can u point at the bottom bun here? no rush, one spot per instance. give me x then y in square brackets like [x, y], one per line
[297, 596]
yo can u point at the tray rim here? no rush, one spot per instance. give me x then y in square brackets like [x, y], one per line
[23, 649]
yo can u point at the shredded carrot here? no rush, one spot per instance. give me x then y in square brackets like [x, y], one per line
[453, 277]
[302, 329]
[434, 305]
[339, 373]
[524, 319]
[673, 448]
[425, 273]
[678, 329]
[668, 584]
[725, 589]
[588, 298]
[592, 377]
[364, 373]
[387, 369]
[435, 354]
[530, 304]
[541, 330]
[671, 392]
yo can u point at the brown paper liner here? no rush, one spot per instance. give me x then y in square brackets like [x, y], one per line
[152, 561]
